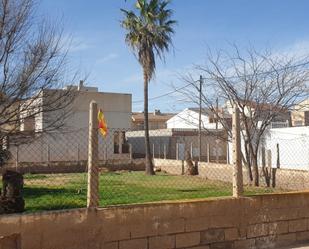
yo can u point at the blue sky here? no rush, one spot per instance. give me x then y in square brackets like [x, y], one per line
[98, 48]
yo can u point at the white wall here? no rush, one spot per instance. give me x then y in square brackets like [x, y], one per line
[293, 147]
[188, 119]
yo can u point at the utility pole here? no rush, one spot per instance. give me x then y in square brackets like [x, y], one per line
[217, 139]
[200, 120]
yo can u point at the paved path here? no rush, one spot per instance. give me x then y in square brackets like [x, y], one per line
[298, 247]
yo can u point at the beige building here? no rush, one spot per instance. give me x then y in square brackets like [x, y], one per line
[300, 114]
[157, 120]
[116, 108]
[70, 142]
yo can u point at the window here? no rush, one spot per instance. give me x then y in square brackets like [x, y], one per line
[125, 144]
[298, 123]
[120, 142]
[116, 142]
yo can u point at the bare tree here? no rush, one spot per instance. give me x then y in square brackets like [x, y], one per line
[263, 85]
[32, 67]
[32, 70]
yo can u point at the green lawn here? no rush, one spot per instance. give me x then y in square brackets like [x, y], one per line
[62, 191]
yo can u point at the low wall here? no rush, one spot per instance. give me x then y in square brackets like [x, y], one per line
[285, 178]
[75, 166]
[267, 221]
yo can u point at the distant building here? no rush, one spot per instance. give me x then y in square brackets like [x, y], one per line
[116, 108]
[189, 119]
[156, 120]
[300, 114]
[9, 118]
[70, 143]
[176, 143]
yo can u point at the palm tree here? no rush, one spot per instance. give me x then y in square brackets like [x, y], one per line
[149, 33]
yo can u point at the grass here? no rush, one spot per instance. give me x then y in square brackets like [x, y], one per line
[62, 191]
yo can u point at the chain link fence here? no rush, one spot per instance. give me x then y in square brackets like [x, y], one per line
[54, 166]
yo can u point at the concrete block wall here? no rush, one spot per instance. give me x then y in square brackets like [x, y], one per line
[267, 221]
[286, 179]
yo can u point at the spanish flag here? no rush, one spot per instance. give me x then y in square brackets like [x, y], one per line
[102, 123]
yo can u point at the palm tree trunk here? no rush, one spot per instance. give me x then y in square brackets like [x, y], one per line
[148, 158]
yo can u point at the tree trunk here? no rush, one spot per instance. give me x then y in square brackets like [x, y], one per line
[192, 168]
[266, 170]
[248, 162]
[11, 200]
[255, 170]
[148, 157]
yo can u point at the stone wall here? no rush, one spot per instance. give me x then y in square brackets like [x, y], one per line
[286, 179]
[267, 221]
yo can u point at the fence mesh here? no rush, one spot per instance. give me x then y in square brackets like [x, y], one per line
[54, 167]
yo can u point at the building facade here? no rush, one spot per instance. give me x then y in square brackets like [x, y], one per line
[70, 141]
[300, 114]
[156, 120]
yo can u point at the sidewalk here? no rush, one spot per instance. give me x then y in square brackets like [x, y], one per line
[297, 247]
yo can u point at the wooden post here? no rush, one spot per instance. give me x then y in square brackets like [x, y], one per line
[93, 169]
[237, 166]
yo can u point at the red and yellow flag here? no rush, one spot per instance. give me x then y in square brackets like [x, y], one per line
[102, 123]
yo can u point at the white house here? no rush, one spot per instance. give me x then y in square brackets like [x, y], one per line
[189, 119]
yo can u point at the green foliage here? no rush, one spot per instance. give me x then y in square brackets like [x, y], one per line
[149, 32]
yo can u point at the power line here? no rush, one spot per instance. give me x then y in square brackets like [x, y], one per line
[231, 77]
[163, 95]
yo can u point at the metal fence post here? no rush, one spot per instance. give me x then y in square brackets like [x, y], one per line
[78, 153]
[93, 169]
[130, 152]
[227, 154]
[237, 164]
[208, 153]
[164, 151]
[48, 154]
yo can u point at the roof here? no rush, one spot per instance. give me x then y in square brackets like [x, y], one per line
[302, 106]
[171, 132]
[162, 117]
[208, 112]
